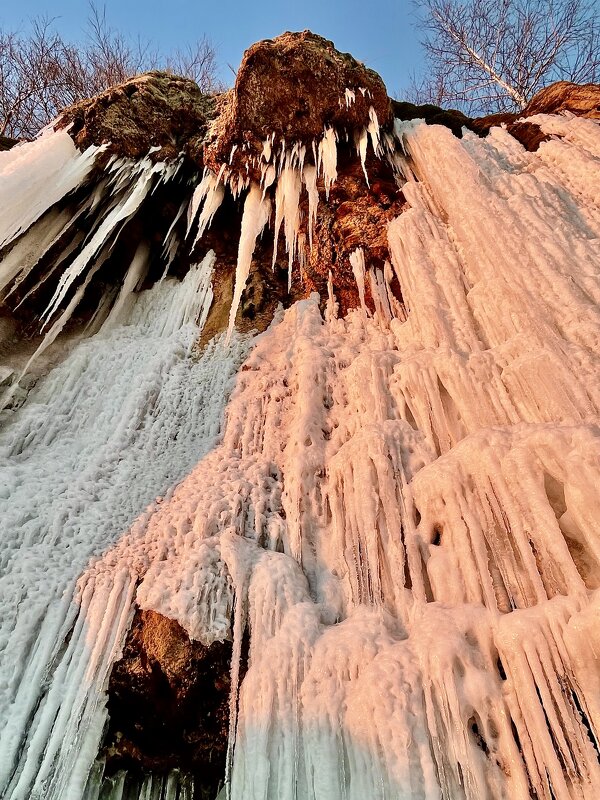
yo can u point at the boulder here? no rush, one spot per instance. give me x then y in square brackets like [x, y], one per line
[153, 110]
[292, 87]
[168, 703]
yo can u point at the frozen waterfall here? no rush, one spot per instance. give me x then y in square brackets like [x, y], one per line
[400, 507]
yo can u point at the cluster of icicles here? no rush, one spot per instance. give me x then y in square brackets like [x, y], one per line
[36, 178]
[285, 168]
[402, 508]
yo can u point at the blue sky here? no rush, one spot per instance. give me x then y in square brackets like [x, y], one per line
[379, 32]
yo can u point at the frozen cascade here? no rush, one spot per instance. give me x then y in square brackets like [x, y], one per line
[122, 419]
[35, 175]
[409, 511]
[402, 509]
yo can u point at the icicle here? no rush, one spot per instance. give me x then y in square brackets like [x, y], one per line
[171, 241]
[361, 140]
[31, 247]
[198, 197]
[373, 129]
[133, 278]
[309, 175]
[267, 178]
[287, 210]
[120, 213]
[328, 158]
[357, 261]
[214, 197]
[331, 311]
[350, 97]
[380, 295]
[267, 148]
[36, 175]
[255, 217]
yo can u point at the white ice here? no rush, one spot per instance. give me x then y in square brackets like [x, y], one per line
[402, 509]
[257, 209]
[35, 175]
[120, 421]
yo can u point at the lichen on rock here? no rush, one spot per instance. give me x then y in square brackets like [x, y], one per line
[155, 110]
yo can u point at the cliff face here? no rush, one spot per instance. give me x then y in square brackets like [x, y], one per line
[376, 575]
[288, 93]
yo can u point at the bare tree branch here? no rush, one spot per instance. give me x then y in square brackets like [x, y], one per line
[486, 56]
[41, 73]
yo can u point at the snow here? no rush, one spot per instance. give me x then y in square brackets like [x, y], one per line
[401, 508]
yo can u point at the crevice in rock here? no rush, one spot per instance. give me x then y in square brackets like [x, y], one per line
[168, 705]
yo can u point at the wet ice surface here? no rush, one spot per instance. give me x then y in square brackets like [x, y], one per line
[403, 508]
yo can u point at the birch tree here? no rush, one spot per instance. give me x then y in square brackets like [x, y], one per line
[486, 56]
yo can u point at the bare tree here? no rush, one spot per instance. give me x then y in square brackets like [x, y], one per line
[198, 62]
[41, 73]
[485, 56]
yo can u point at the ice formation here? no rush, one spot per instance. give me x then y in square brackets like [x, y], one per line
[401, 509]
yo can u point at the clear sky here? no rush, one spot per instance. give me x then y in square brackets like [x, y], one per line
[379, 32]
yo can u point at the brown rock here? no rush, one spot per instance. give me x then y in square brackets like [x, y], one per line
[151, 110]
[433, 115]
[292, 86]
[355, 216]
[583, 100]
[168, 702]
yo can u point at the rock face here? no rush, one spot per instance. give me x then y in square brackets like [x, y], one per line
[292, 87]
[433, 115]
[560, 97]
[581, 100]
[356, 216]
[169, 703]
[154, 110]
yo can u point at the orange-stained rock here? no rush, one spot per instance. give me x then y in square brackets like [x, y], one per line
[292, 86]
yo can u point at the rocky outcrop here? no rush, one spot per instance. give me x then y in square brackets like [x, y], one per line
[155, 111]
[583, 100]
[433, 115]
[559, 97]
[292, 87]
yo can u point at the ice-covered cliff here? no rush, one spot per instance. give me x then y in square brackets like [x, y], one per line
[300, 445]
